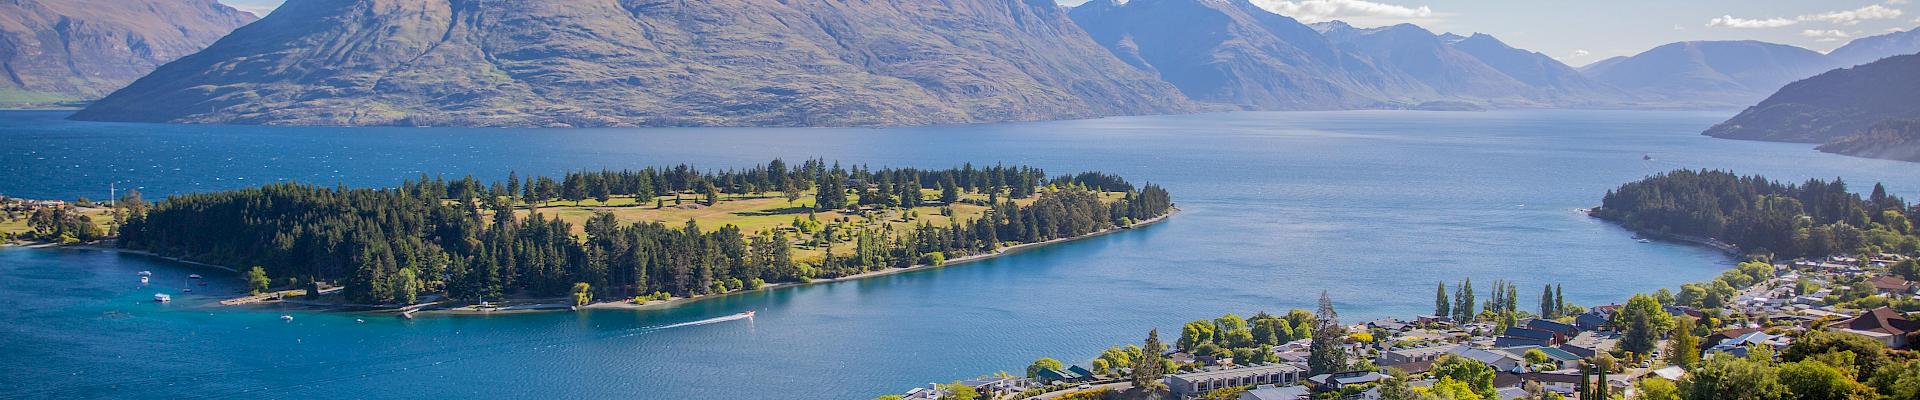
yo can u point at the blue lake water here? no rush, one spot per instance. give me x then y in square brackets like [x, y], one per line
[1374, 207]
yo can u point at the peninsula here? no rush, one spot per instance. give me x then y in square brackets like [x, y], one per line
[637, 237]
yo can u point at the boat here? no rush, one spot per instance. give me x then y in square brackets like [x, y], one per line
[1648, 157]
[748, 314]
[1645, 240]
[144, 274]
[287, 318]
[408, 314]
[188, 290]
[193, 276]
[162, 297]
[143, 280]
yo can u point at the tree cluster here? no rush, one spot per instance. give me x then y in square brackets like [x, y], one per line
[1814, 218]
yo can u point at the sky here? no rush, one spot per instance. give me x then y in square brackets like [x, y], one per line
[1579, 32]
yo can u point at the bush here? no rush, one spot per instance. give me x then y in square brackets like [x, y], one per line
[934, 258]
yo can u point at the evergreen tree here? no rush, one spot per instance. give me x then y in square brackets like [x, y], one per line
[1150, 368]
[1328, 352]
[1441, 307]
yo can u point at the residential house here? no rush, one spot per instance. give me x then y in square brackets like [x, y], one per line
[1072, 374]
[1334, 381]
[1557, 327]
[1738, 346]
[1891, 286]
[1277, 393]
[1594, 320]
[1500, 361]
[1192, 384]
[1417, 354]
[1521, 336]
[1562, 359]
[1882, 324]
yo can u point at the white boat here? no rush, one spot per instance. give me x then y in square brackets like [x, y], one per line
[1643, 240]
[287, 318]
[143, 280]
[162, 297]
[193, 276]
[144, 274]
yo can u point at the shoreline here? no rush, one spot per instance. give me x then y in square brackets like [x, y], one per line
[532, 306]
[1728, 249]
[1005, 251]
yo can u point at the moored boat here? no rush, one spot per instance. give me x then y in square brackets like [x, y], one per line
[162, 297]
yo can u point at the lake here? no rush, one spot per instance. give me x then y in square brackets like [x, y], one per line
[1373, 207]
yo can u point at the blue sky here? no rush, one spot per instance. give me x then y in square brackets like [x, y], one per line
[1583, 31]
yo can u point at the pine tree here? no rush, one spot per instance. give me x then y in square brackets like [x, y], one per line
[1328, 352]
[1148, 370]
[1440, 305]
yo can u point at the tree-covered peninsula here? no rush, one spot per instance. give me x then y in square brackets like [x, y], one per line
[1764, 217]
[653, 233]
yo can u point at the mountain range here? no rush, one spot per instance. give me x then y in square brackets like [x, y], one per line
[862, 63]
[58, 51]
[646, 63]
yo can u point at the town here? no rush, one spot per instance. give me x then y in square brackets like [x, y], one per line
[1764, 312]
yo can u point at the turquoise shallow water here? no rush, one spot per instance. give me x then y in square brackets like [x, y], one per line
[1372, 206]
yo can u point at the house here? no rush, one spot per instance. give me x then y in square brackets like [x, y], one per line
[928, 392]
[1390, 325]
[1890, 285]
[1073, 374]
[1671, 373]
[1557, 327]
[1589, 344]
[1277, 393]
[1562, 359]
[1520, 336]
[1680, 311]
[1500, 361]
[1593, 321]
[1722, 336]
[1738, 346]
[1431, 320]
[1882, 324]
[1334, 381]
[1413, 355]
[1192, 384]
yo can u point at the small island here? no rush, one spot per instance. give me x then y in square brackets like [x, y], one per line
[634, 238]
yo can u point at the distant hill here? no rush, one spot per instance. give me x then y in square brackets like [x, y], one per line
[1894, 139]
[646, 63]
[1709, 73]
[1835, 104]
[57, 51]
[1234, 52]
[1873, 48]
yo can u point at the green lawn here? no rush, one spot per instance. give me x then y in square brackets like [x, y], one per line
[754, 214]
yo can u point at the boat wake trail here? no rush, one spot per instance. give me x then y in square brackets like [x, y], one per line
[714, 320]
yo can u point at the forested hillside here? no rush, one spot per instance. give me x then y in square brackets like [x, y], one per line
[1814, 218]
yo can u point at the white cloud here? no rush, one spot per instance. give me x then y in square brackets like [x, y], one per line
[1577, 53]
[1829, 35]
[1359, 12]
[1843, 17]
[1854, 16]
[1729, 21]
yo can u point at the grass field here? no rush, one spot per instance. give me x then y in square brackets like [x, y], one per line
[770, 212]
[101, 217]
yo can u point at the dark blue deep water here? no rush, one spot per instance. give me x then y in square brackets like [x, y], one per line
[1372, 206]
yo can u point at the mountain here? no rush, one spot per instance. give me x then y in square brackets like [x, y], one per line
[1426, 58]
[54, 51]
[1709, 73]
[646, 63]
[1234, 53]
[1894, 139]
[1839, 103]
[1560, 83]
[1872, 48]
